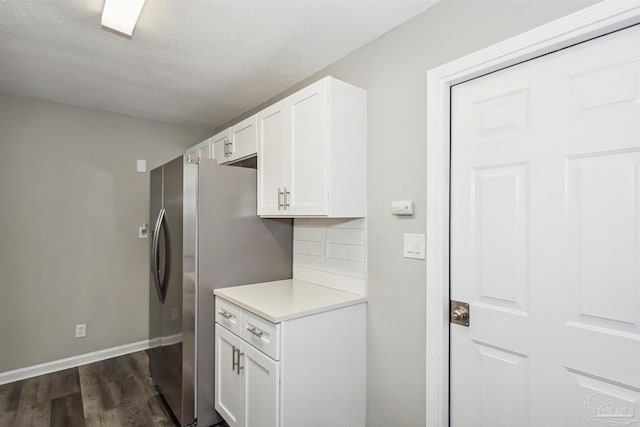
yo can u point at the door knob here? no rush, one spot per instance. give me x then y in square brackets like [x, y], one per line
[459, 313]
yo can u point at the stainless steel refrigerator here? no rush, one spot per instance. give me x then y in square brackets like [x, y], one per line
[205, 235]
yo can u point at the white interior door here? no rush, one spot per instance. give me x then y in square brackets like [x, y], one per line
[545, 240]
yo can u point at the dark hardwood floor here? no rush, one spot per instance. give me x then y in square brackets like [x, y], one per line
[112, 393]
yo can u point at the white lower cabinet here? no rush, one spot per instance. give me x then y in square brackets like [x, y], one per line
[261, 391]
[228, 387]
[246, 387]
[308, 371]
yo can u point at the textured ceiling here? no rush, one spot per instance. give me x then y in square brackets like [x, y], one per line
[198, 62]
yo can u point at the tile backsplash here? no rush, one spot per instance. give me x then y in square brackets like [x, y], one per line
[331, 252]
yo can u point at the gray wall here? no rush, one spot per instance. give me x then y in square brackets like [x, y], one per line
[71, 202]
[393, 70]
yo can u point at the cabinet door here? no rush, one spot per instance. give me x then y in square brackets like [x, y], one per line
[271, 159]
[205, 150]
[229, 398]
[307, 186]
[199, 152]
[262, 389]
[220, 150]
[242, 139]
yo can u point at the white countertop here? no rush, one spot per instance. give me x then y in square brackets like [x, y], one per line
[287, 299]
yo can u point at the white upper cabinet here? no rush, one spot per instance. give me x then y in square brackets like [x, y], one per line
[200, 151]
[236, 143]
[220, 144]
[312, 153]
[272, 159]
[229, 388]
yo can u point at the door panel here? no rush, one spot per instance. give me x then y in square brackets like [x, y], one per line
[170, 377]
[500, 231]
[545, 238]
[593, 399]
[218, 142]
[504, 378]
[228, 391]
[261, 376]
[155, 306]
[308, 151]
[242, 138]
[602, 222]
[272, 165]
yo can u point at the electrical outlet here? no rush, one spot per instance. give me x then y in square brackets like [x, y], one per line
[81, 330]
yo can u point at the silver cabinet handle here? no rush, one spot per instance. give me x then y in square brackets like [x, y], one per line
[287, 193]
[280, 203]
[239, 367]
[226, 148]
[233, 358]
[226, 314]
[235, 364]
[255, 332]
[230, 147]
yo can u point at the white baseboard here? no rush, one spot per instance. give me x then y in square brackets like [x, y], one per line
[163, 341]
[171, 339]
[71, 362]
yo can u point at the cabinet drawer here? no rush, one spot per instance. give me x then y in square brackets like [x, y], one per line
[262, 334]
[229, 316]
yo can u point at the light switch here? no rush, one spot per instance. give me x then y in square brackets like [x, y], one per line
[414, 246]
[141, 165]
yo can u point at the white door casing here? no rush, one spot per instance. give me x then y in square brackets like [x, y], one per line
[545, 243]
[586, 24]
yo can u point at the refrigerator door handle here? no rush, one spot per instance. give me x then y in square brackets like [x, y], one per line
[154, 256]
[167, 258]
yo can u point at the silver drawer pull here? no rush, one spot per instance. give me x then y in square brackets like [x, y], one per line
[255, 332]
[226, 314]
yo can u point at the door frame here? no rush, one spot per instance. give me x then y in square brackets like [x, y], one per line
[588, 23]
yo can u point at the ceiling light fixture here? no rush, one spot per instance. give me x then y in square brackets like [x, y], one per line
[121, 15]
